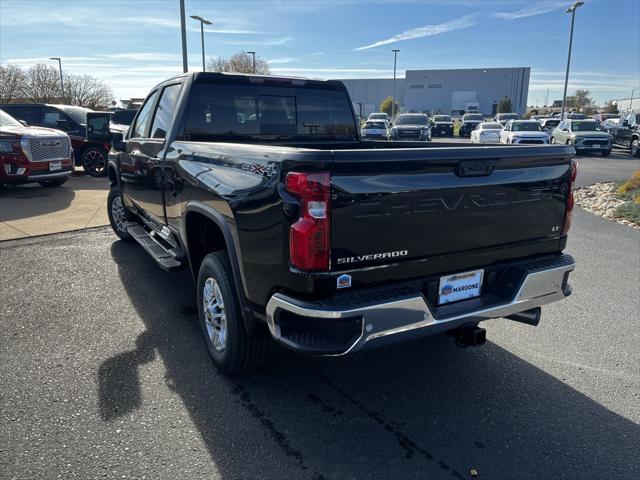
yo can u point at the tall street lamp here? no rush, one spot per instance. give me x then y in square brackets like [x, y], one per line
[393, 99]
[253, 54]
[60, 69]
[203, 22]
[631, 100]
[183, 34]
[572, 10]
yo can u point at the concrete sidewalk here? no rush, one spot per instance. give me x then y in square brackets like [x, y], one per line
[28, 210]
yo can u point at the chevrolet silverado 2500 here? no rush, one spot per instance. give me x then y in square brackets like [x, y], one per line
[296, 229]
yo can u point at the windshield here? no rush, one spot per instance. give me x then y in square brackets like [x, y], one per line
[412, 120]
[78, 114]
[508, 116]
[526, 127]
[491, 126]
[378, 116]
[7, 120]
[588, 126]
[375, 125]
[232, 111]
[472, 116]
[551, 123]
[441, 118]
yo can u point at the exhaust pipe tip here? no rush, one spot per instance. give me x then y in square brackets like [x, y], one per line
[529, 317]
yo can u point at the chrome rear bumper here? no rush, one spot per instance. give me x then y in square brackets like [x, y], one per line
[403, 314]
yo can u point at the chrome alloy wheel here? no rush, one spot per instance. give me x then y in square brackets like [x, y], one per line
[118, 214]
[215, 317]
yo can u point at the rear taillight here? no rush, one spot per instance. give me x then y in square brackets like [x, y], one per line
[309, 235]
[570, 202]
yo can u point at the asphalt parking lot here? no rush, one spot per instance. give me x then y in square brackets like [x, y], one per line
[105, 375]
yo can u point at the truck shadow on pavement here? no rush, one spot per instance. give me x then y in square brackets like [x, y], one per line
[424, 409]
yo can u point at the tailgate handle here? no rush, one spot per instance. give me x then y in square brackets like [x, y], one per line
[475, 168]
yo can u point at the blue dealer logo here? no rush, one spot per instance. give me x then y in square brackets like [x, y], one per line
[343, 281]
[446, 290]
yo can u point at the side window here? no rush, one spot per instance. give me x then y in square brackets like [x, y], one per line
[51, 117]
[167, 104]
[144, 116]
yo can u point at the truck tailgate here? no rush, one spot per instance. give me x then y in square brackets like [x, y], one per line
[392, 205]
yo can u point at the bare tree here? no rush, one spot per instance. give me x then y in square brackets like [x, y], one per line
[240, 63]
[87, 91]
[12, 83]
[42, 84]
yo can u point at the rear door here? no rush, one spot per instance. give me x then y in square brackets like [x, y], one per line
[141, 165]
[394, 204]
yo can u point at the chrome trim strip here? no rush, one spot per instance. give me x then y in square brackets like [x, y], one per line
[413, 313]
[49, 176]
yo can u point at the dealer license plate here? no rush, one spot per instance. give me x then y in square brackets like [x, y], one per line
[460, 286]
[54, 166]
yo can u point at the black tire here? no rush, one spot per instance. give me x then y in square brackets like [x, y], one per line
[606, 153]
[634, 148]
[54, 183]
[240, 352]
[94, 161]
[118, 218]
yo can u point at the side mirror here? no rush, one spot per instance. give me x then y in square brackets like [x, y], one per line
[390, 124]
[63, 125]
[23, 122]
[625, 123]
[98, 127]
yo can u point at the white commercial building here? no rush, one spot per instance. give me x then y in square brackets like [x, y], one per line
[445, 91]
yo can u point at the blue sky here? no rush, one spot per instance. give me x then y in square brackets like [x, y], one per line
[134, 44]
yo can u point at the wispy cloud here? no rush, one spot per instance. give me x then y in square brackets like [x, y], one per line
[264, 43]
[276, 61]
[537, 8]
[427, 31]
[145, 56]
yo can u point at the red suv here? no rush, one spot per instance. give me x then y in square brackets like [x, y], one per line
[33, 154]
[92, 156]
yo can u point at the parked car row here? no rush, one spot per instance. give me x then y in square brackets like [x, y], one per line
[92, 156]
[33, 154]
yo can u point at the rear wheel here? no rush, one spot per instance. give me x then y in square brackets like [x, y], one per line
[54, 183]
[635, 148]
[118, 214]
[231, 348]
[94, 161]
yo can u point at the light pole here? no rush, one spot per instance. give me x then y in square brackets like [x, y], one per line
[393, 99]
[572, 11]
[631, 100]
[61, 82]
[183, 32]
[253, 54]
[203, 22]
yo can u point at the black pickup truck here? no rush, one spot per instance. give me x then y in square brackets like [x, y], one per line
[296, 229]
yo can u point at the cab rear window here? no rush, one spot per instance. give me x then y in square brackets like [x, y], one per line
[222, 110]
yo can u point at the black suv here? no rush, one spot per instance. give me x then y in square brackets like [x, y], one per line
[627, 133]
[72, 120]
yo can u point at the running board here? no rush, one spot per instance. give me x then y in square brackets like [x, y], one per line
[168, 259]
